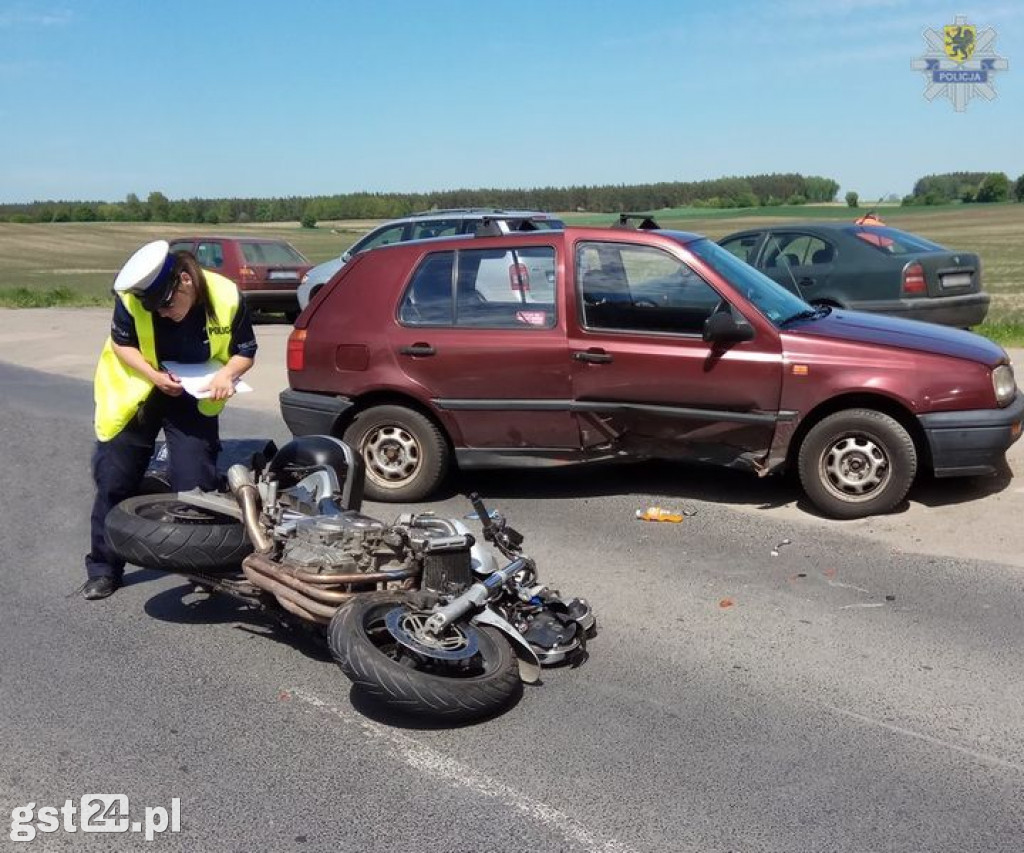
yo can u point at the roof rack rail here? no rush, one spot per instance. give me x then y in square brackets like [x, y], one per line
[446, 211]
[646, 223]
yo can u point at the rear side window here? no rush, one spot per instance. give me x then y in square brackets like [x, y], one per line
[742, 247]
[484, 289]
[210, 255]
[435, 228]
[796, 250]
[269, 254]
[891, 241]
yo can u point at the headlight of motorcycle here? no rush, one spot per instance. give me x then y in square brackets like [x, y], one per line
[1004, 384]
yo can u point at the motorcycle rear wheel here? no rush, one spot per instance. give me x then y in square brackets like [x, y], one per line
[162, 532]
[452, 691]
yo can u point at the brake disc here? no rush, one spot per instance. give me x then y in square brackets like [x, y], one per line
[408, 627]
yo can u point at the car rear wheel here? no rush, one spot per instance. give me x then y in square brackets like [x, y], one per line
[406, 455]
[857, 463]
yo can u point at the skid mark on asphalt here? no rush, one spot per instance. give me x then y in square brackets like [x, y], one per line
[983, 757]
[426, 760]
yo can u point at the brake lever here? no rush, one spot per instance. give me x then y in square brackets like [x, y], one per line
[486, 521]
[507, 539]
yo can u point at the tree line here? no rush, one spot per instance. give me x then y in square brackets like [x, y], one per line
[731, 192]
[967, 187]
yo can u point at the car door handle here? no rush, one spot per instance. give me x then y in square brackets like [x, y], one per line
[418, 350]
[593, 356]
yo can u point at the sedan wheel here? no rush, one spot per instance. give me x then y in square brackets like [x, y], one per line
[857, 463]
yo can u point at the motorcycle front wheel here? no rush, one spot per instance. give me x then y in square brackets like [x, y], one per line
[457, 690]
[163, 532]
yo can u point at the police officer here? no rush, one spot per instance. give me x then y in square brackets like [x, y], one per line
[869, 218]
[166, 309]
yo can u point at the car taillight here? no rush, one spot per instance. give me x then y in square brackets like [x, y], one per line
[519, 277]
[296, 356]
[913, 279]
[247, 274]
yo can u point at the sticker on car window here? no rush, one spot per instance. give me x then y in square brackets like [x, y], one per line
[532, 318]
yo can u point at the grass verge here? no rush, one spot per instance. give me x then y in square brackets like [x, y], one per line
[1006, 334]
[56, 297]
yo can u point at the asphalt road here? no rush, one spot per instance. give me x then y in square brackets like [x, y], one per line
[844, 695]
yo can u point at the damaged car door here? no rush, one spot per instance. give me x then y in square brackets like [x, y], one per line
[645, 380]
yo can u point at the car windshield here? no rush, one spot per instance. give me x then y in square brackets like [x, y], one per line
[892, 241]
[771, 299]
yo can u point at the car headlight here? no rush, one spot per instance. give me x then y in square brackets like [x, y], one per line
[1004, 384]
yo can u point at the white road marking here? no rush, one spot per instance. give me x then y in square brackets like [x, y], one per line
[973, 753]
[433, 763]
[862, 605]
[842, 585]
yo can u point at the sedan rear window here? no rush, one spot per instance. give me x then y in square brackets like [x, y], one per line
[271, 253]
[894, 242]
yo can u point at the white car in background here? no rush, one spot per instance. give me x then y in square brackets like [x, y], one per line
[420, 226]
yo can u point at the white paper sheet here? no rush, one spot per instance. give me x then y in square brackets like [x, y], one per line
[195, 377]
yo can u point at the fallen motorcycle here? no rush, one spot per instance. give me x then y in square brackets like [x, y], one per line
[417, 613]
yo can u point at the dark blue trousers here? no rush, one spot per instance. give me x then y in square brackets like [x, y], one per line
[118, 465]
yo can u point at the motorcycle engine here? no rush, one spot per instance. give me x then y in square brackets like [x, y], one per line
[347, 543]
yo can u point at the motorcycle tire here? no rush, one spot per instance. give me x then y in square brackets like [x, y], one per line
[162, 532]
[454, 692]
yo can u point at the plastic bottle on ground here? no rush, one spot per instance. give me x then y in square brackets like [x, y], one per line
[657, 513]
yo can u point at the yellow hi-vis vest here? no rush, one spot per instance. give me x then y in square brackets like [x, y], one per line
[119, 391]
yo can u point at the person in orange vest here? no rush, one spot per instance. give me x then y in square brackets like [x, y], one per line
[869, 218]
[166, 309]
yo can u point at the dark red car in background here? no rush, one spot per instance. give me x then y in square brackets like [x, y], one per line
[634, 344]
[266, 271]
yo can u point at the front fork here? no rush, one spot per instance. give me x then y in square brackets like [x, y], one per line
[476, 598]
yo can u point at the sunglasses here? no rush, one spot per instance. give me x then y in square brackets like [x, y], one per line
[169, 298]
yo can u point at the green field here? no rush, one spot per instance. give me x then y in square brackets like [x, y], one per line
[74, 263]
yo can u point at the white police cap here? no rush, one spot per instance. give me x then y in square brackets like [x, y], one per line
[147, 274]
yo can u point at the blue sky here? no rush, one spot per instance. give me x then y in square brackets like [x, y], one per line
[101, 98]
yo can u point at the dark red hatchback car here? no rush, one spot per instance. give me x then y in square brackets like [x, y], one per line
[266, 271]
[544, 348]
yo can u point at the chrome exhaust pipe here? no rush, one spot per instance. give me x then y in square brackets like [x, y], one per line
[244, 489]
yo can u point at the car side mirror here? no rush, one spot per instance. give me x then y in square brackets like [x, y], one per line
[346, 257]
[723, 328]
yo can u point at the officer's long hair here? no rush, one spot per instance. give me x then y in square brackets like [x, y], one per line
[185, 261]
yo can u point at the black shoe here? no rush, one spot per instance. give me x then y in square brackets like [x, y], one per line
[100, 587]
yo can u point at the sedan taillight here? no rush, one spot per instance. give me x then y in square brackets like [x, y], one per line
[913, 279]
[519, 277]
[296, 355]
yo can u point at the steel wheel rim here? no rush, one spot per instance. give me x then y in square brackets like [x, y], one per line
[392, 454]
[855, 467]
